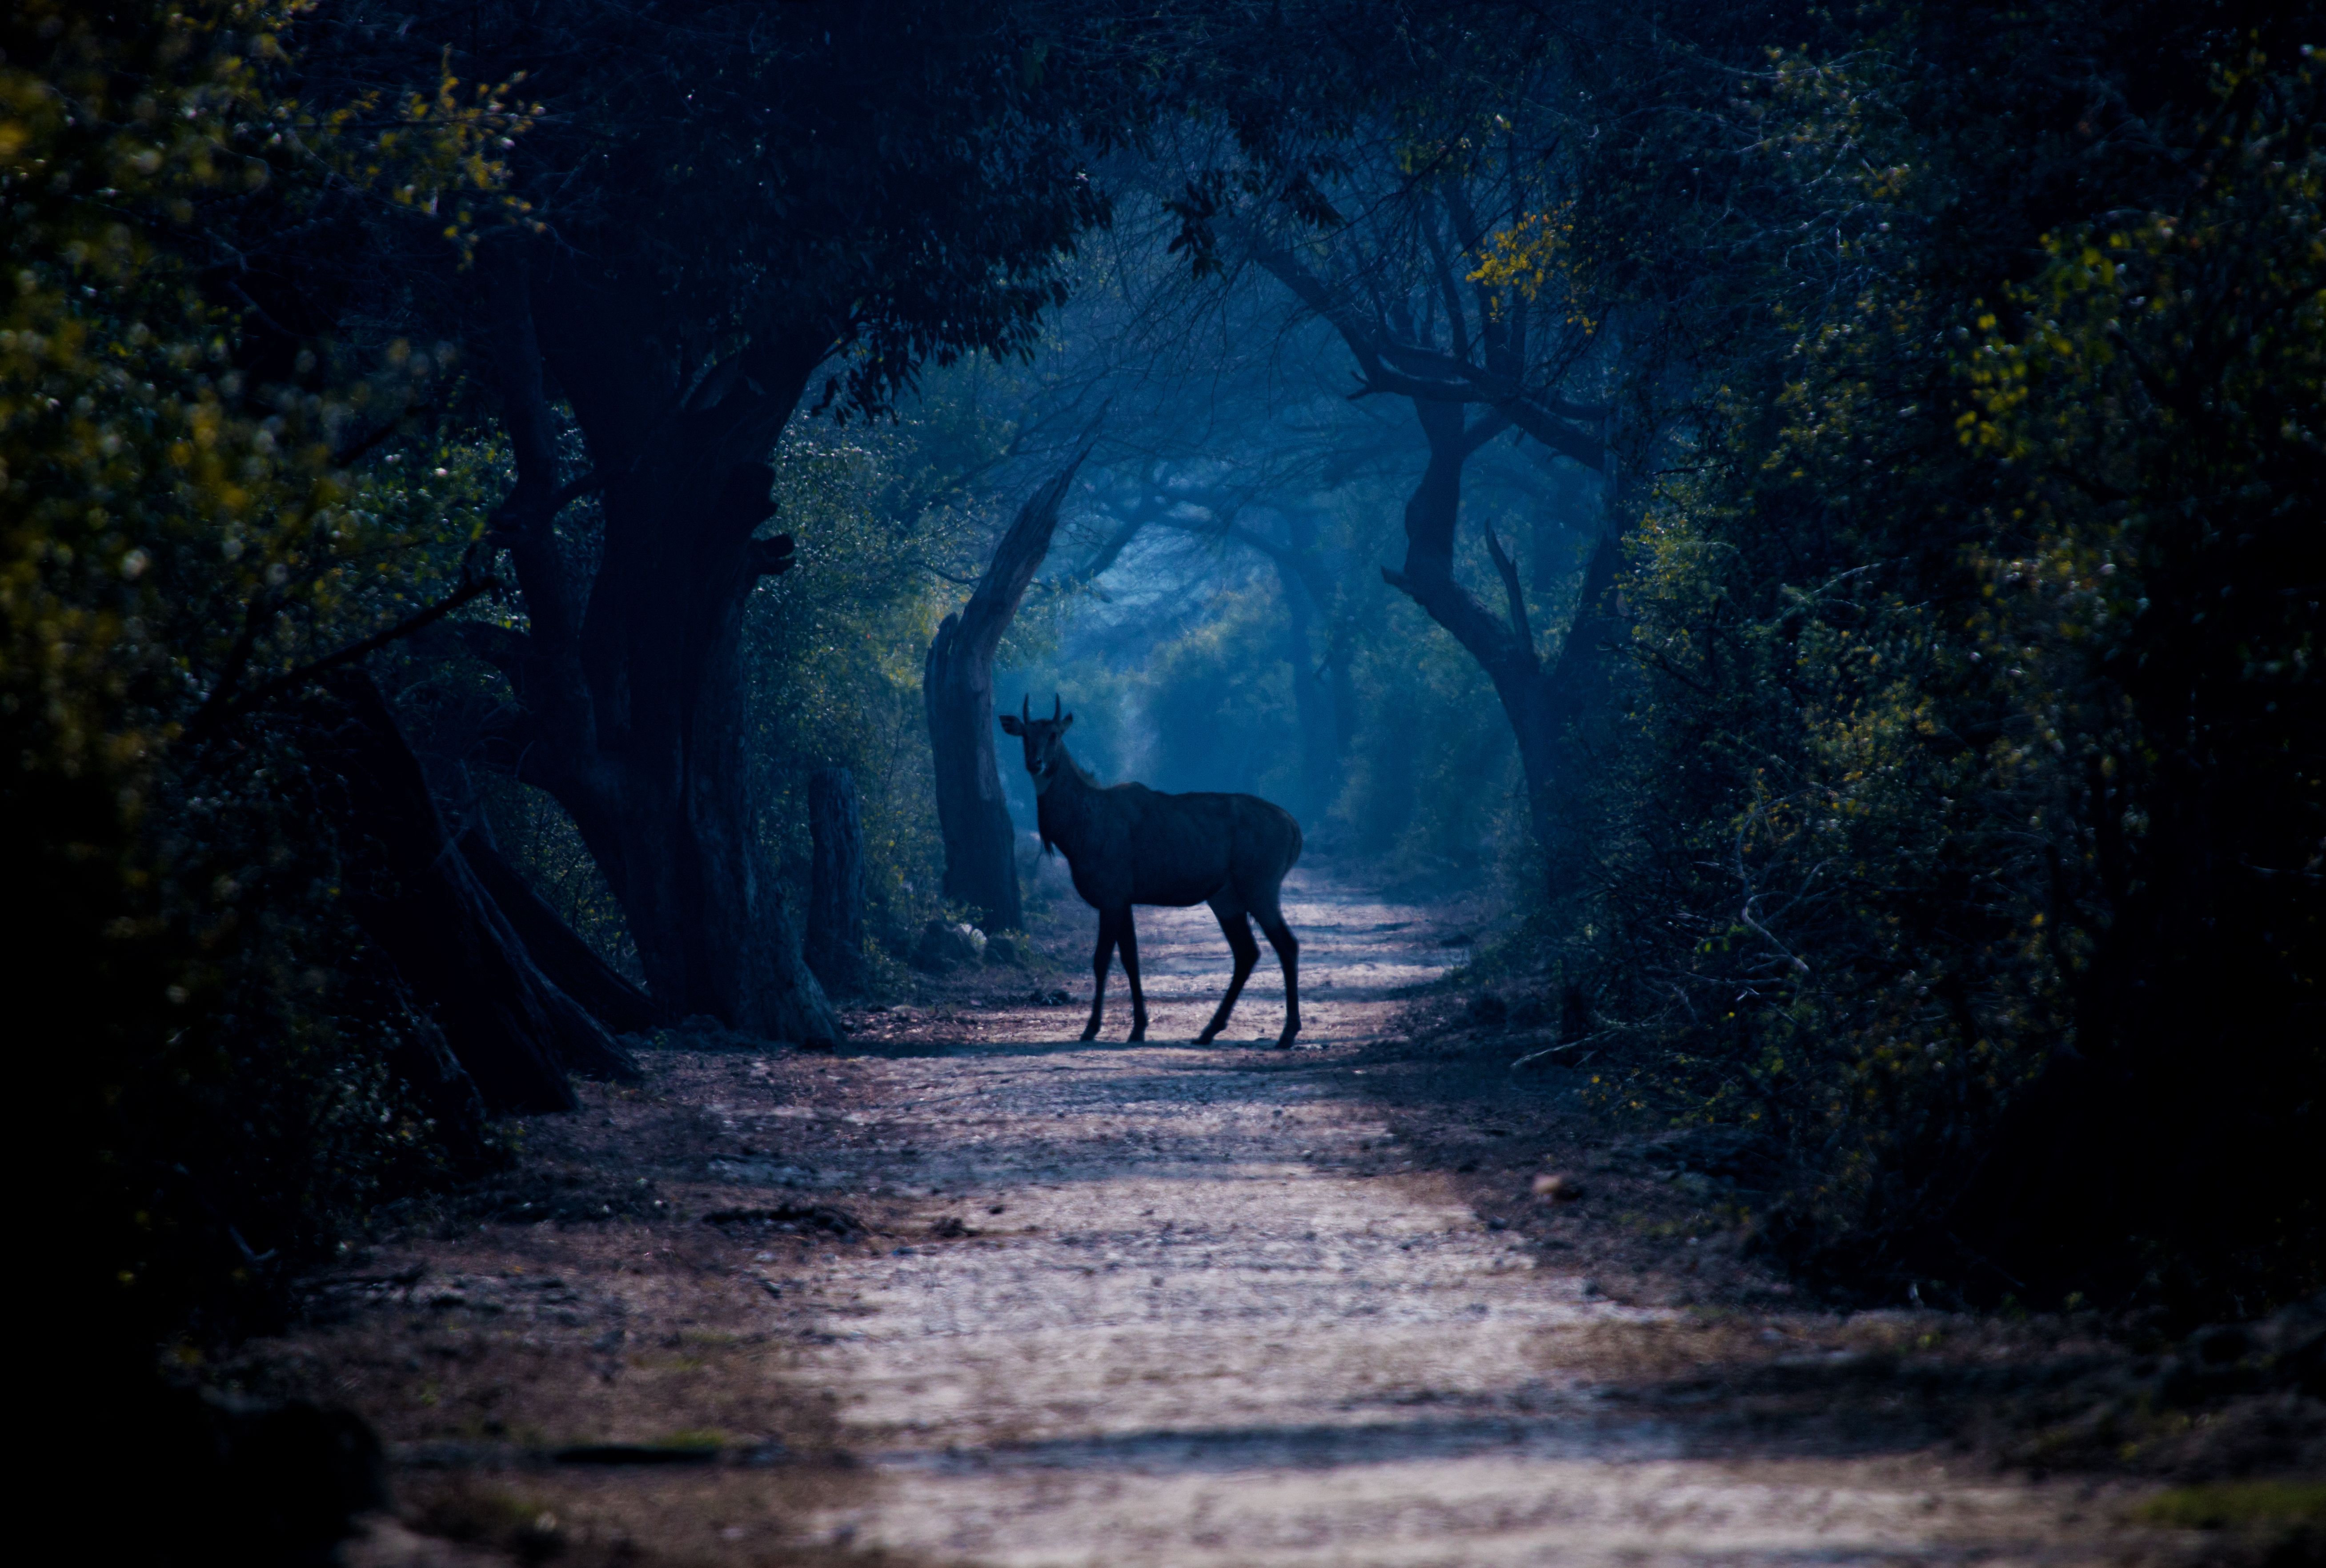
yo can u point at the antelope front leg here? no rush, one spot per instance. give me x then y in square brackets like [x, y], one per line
[1098, 973]
[1126, 936]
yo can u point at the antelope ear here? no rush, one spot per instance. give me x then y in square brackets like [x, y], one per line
[1009, 725]
[1066, 724]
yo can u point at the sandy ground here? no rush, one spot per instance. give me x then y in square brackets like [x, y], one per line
[1128, 1305]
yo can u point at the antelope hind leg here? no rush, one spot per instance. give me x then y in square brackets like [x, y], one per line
[1098, 974]
[1288, 952]
[1236, 926]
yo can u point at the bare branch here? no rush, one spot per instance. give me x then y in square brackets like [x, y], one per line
[1449, 292]
[1513, 593]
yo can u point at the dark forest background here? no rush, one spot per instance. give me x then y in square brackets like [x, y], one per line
[1817, 510]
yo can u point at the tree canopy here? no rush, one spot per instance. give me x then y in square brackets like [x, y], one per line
[1813, 516]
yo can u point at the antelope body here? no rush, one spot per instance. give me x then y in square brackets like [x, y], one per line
[1127, 844]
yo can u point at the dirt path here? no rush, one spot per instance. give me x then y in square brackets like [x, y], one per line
[1133, 1305]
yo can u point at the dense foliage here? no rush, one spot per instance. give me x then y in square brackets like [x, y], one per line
[1965, 830]
[182, 533]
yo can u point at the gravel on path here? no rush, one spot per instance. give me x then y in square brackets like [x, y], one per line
[1114, 1305]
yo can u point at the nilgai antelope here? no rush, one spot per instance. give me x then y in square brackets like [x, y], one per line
[1128, 844]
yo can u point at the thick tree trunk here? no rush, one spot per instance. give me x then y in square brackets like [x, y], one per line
[515, 1031]
[570, 962]
[631, 681]
[957, 692]
[1541, 705]
[836, 900]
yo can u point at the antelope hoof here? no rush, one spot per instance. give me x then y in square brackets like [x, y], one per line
[1090, 1031]
[1284, 1041]
[1206, 1037]
[1138, 1033]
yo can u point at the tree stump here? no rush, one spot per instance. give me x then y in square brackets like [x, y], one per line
[836, 900]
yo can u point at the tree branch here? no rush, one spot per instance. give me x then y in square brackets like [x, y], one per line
[222, 706]
[347, 456]
[1449, 292]
[1553, 429]
[1556, 433]
[773, 557]
[1107, 552]
[1450, 605]
[589, 484]
[1015, 561]
[504, 648]
[1484, 431]
[1516, 595]
[1312, 292]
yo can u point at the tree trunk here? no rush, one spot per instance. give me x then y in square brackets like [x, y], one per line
[1542, 705]
[1486, 366]
[631, 681]
[570, 962]
[515, 1031]
[1316, 691]
[1312, 701]
[957, 691]
[1575, 693]
[836, 900]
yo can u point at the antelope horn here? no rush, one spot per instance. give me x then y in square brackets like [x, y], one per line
[1056, 706]
[1025, 708]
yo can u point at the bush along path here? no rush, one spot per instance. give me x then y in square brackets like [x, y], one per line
[969, 1292]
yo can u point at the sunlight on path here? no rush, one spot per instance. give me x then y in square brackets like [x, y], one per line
[1194, 1336]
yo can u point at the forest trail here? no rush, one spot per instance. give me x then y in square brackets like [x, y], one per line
[1222, 1323]
[1133, 1305]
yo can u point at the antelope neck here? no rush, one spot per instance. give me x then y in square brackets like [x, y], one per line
[1064, 765]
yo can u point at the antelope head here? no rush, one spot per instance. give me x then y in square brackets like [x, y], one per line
[1044, 738]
